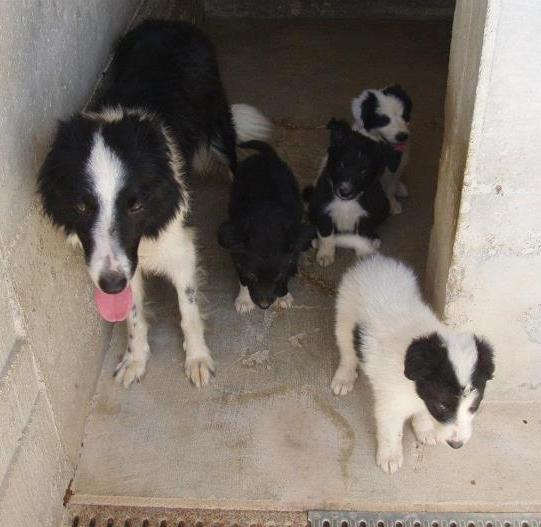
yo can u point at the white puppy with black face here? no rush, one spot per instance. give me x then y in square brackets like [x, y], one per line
[384, 115]
[418, 367]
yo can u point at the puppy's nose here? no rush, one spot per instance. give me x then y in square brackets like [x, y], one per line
[455, 444]
[345, 191]
[264, 304]
[401, 137]
[112, 282]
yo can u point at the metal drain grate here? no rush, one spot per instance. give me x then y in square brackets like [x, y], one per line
[422, 519]
[107, 515]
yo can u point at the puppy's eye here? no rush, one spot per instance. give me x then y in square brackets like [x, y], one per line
[442, 407]
[82, 208]
[252, 277]
[341, 164]
[135, 206]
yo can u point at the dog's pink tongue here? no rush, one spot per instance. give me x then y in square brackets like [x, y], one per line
[114, 308]
[400, 147]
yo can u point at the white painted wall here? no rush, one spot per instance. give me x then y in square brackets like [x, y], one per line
[52, 345]
[485, 257]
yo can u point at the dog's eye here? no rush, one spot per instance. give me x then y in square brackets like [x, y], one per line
[82, 208]
[442, 407]
[251, 276]
[135, 206]
[341, 164]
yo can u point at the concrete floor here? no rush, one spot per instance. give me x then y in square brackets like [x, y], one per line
[268, 433]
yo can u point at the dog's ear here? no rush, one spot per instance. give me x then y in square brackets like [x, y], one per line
[357, 106]
[340, 131]
[229, 236]
[368, 107]
[484, 369]
[423, 357]
[302, 237]
[397, 91]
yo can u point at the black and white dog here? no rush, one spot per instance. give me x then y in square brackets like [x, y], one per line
[264, 232]
[347, 201]
[115, 178]
[384, 115]
[418, 367]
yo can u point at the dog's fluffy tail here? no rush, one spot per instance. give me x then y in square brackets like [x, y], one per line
[250, 123]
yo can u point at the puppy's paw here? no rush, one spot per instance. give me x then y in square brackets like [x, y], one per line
[129, 370]
[284, 302]
[395, 206]
[427, 436]
[199, 369]
[402, 190]
[343, 381]
[244, 304]
[325, 258]
[389, 459]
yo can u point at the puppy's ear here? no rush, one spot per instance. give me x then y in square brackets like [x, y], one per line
[485, 359]
[340, 131]
[229, 237]
[304, 237]
[357, 105]
[423, 357]
[369, 105]
[397, 91]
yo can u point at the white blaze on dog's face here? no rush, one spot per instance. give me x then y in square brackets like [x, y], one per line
[450, 373]
[108, 264]
[384, 115]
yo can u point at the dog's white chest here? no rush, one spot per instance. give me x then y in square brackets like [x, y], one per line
[345, 214]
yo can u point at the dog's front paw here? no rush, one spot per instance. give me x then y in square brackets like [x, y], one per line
[129, 370]
[426, 437]
[343, 381]
[325, 258]
[284, 302]
[389, 459]
[244, 304]
[402, 190]
[199, 369]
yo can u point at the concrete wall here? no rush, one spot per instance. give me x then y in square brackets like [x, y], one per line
[52, 344]
[486, 244]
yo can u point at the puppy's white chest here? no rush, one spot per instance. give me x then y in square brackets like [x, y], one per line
[345, 214]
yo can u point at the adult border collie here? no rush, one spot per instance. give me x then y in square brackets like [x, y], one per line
[384, 115]
[418, 367]
[115, 178]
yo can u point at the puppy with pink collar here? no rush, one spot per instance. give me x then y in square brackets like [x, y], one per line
[384, 115]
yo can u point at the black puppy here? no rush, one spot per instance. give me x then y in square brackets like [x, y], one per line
[264, 233]
[347, 202]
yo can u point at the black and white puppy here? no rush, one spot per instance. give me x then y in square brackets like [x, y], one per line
[384, 115]
[347, 201]
[418, 367]
[264, 233]
[115, 179]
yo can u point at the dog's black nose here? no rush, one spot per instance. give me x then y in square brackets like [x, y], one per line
[112, 282]
[345, 191]
[455, 444]
[402, 137]
[265, 304]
